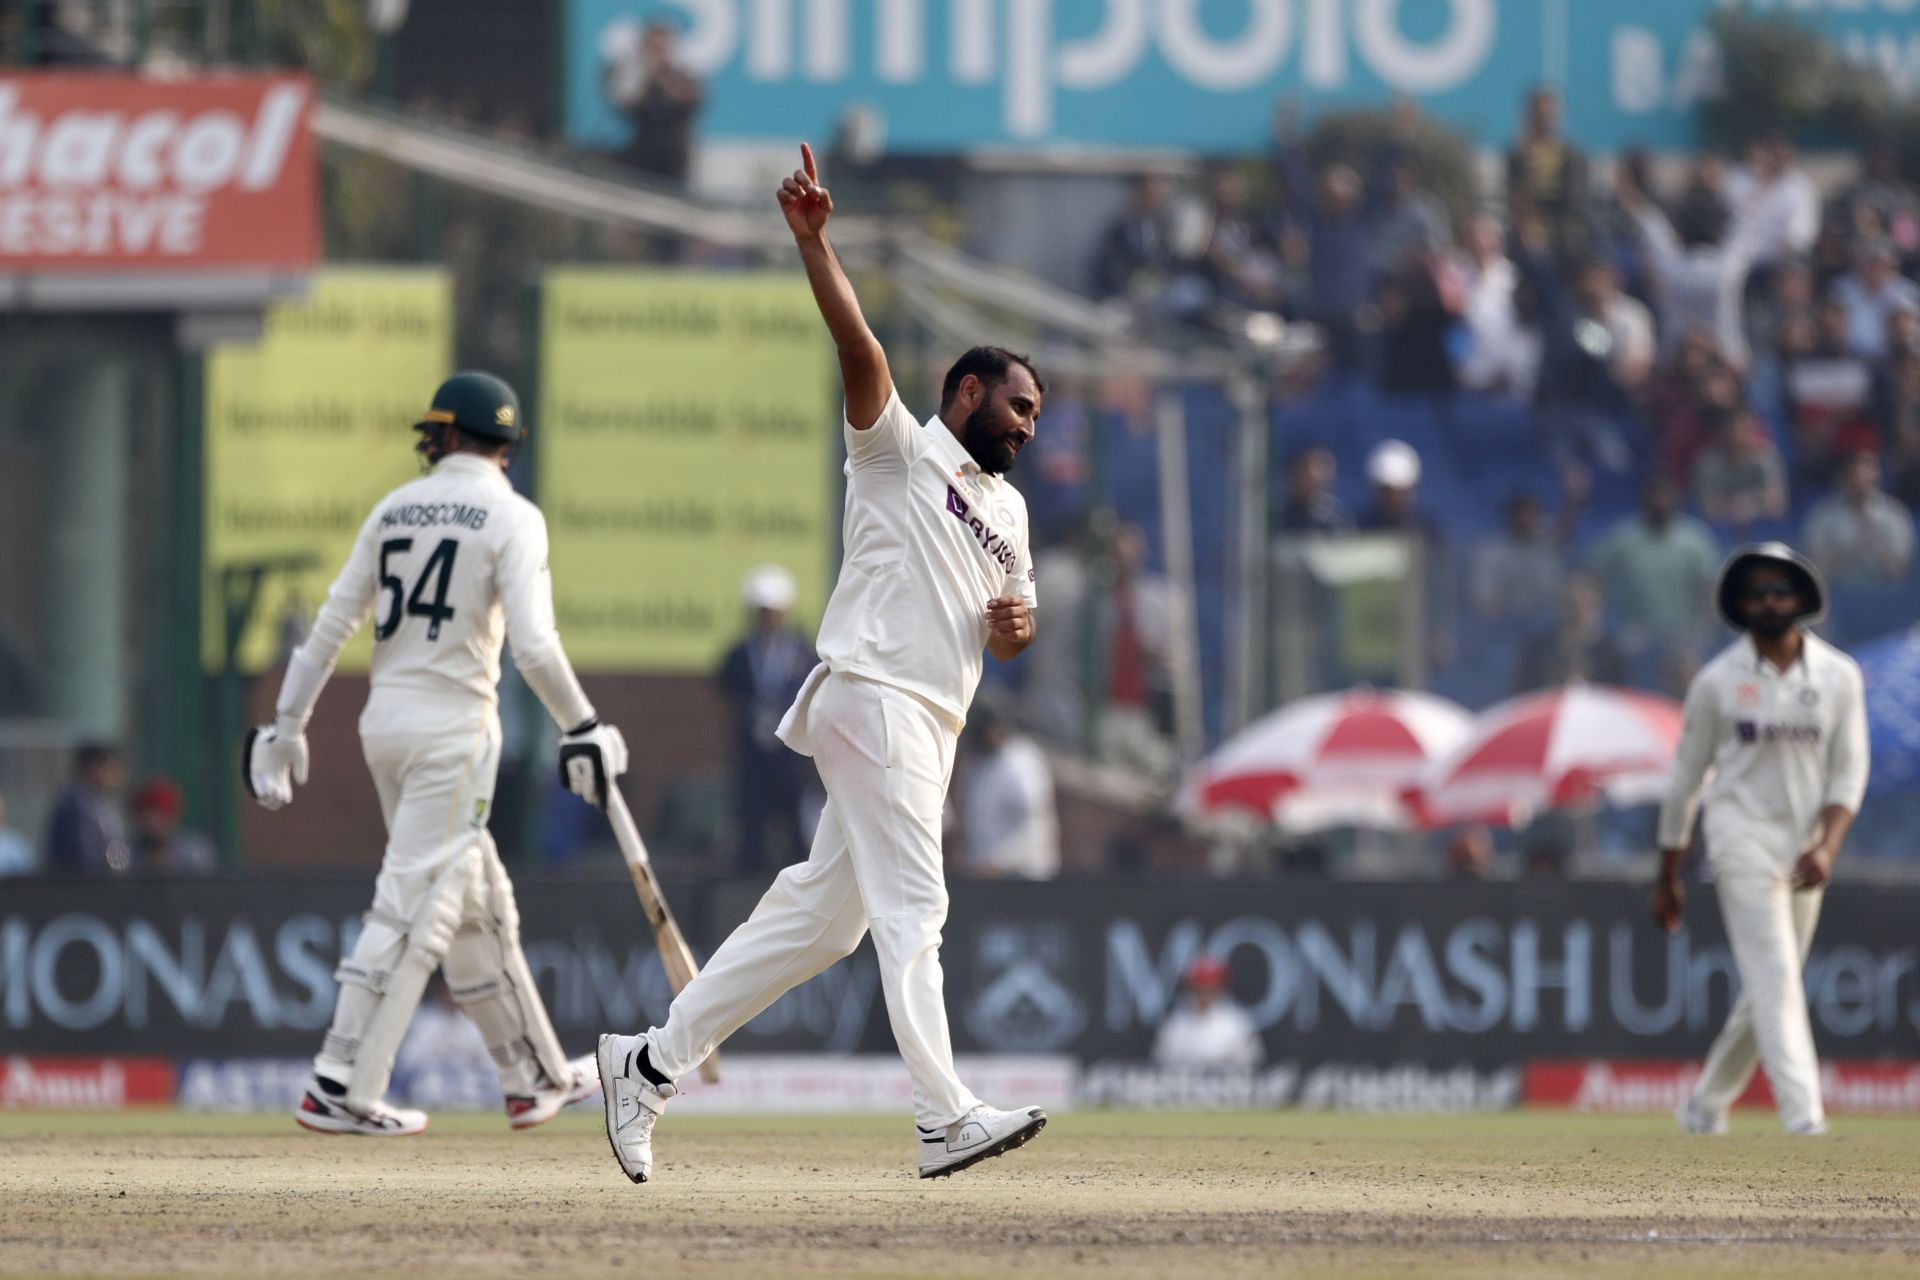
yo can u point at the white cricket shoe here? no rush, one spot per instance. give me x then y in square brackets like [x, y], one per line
[981, 1134]
[1811, 1129]
[322, 1112]
[525, 1110]
[1694, 1118]
[632, 1102]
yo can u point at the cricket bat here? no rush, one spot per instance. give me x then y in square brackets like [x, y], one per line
[675, 955]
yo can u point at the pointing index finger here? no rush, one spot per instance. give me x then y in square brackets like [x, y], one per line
[806, 161]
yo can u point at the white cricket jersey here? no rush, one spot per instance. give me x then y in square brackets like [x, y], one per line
[930, 539]
[446, 567]
[1782, 745]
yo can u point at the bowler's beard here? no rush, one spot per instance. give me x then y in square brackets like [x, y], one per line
[993, 451]
[1769, 625]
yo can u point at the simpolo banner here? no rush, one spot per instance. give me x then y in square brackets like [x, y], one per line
[687, 431]
[1441, 977]
[951, 75]
[305, 430]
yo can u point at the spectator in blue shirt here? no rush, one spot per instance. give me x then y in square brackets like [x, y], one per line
[16, 855]
[85, 836]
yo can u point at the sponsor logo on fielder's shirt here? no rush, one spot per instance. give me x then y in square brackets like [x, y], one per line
[1753, 731]
[993, 542]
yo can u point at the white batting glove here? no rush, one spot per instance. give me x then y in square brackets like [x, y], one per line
[591, 757]
[273, 760]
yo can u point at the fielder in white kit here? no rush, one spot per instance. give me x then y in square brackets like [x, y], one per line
[1779, 718]
[448, 566]
[936, 568]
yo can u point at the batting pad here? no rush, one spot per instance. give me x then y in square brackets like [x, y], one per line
[488, 976]
[382, 980]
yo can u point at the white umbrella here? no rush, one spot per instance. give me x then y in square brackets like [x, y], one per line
[1559, 748]
[1332, 760]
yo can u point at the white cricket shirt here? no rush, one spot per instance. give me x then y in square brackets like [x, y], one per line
[446, 567]
[930, 538]
[1782, 745]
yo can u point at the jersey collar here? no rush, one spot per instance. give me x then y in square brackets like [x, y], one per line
[954, 456]
[469, 464]
[1803, 664]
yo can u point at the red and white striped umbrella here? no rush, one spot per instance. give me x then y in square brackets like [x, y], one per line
[1333, 760]
[1558, 748]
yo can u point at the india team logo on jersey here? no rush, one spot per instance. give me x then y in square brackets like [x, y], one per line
[993, 542]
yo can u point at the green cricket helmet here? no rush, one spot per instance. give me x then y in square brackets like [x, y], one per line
[478, 404]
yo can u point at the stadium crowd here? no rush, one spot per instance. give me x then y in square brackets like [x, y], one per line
[1579, 390]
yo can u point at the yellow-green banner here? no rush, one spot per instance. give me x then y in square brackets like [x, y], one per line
[305, 430]
[687, 432]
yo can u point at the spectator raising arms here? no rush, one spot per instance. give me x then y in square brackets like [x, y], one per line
[1777, 198]
[1699, 278]
[643, 78]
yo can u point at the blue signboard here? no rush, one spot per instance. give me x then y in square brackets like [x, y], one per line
[1202, 74]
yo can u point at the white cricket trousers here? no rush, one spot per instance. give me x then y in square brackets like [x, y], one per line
[885, 757]
[436, 791]
[433, 763]
[1770, 924]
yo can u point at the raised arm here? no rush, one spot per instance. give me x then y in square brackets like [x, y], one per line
[1666, 258]
[863, 364]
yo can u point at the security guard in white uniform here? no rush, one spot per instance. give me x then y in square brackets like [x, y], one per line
[937, 568]
[1779, 721]
[447, 566]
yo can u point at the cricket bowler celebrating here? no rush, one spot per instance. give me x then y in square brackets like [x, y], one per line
[446, 566]
[936, 568]
[1780, 719]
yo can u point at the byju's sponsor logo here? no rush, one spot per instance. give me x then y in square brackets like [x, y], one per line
[991, 540]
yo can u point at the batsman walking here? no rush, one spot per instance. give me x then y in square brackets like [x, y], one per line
[936, 568]
[1779, 717]
[448, 566]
